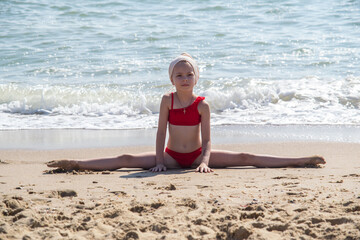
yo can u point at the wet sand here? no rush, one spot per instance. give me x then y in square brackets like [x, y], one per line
[233, 203]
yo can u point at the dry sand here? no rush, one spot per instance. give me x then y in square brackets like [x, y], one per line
[234, 203]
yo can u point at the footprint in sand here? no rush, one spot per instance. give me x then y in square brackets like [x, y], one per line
[138, 209]
[278, 227]
[338, 221]
[233, 231]
[143, 208]
[353, 209]
[188, 202]
[3, 162]
[157, 205]
[171, 187]
[13, 207]
[112, 214]
[62, 193]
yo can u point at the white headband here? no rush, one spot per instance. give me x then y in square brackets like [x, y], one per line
[187, 59]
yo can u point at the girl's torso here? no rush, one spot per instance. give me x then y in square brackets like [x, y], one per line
[184, 139]
[184, 126]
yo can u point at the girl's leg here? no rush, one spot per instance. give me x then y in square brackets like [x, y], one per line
[143, 160]
[220, 158]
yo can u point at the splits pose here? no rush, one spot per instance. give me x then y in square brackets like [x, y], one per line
[189, 144]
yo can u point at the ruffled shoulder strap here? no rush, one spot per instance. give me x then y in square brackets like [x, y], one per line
[198, 100]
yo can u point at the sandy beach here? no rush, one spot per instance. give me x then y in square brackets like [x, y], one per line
[233, 203]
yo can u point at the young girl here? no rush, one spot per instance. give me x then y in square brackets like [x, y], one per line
[189, 144]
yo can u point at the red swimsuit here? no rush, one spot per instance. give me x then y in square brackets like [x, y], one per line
[188, 116]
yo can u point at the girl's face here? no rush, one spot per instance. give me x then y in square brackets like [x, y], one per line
[183, 76]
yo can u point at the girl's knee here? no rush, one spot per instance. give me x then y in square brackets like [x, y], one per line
[125, 157]
[243, 157]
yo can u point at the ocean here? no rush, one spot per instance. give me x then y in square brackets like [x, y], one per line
[104, 65]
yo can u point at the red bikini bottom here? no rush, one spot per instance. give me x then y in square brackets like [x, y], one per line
[185, 160]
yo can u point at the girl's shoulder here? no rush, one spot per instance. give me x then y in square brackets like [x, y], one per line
[203, 106]
[166, 99]
[167, 95]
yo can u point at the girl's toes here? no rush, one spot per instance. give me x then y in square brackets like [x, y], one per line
[52, 164]
[64, 164]
[318, 160]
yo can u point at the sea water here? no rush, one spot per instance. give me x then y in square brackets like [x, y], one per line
[104, 64]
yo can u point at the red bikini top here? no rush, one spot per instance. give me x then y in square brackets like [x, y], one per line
[188, 116]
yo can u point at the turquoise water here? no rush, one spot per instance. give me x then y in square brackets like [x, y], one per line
[85, 64]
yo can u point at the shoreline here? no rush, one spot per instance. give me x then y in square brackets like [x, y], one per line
[42, 139]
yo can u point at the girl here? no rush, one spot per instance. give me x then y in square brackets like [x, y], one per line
[189, 143]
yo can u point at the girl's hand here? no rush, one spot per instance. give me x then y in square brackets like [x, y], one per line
[203, 168]
[158, 168]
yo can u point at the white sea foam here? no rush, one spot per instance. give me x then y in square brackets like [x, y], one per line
[247, 101]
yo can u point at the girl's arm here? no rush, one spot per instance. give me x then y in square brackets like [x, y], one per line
[204, 110]
[161, 134]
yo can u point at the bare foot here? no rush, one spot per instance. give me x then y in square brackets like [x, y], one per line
[64, 164]
[315, 161]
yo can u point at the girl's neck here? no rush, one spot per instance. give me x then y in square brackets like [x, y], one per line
[184, 96]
